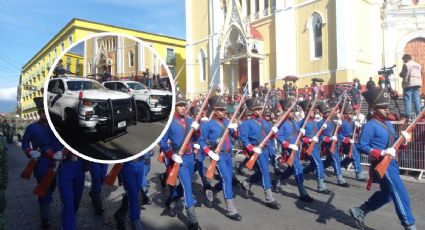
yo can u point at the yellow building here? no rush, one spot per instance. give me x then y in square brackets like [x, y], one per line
[262, 41]
[34, 72]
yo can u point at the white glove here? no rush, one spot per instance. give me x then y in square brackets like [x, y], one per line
[302, 131]
[257, 150]
[339, 122]
[177, 158]
[390, 151]
[315, 139]
[35, 154]
[213, 155]
[325, 126]
[195, 125]
[334, 138]
[196, 146]
[352, 141]
[58, 155]
[233, 126]
[275, 129]
[204, 119]
[406, 136]
[357, 124]
[293, 147]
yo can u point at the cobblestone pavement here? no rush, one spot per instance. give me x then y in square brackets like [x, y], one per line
[327, 212]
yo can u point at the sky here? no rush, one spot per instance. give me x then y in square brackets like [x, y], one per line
[27, 25]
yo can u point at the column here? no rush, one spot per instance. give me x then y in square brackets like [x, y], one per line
[94, 61]
[232, 83]
[248, 64]
[261, 70]
[221, 76]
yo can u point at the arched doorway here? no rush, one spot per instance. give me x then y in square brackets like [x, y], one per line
[416, 48]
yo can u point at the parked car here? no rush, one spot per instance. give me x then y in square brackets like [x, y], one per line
[86, 105]
[151, 103]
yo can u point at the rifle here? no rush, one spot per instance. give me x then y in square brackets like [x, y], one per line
[213, 164]
[350, 152]
[382, 166]
[337, 126]
[254, 157]
[26, 174]
[172, 177]
[290, 160]
[41, 189]
[113, 174]
[310, 149]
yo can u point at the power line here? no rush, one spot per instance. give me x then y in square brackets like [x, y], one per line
[28, 22]
[7, 61]
[11, 59]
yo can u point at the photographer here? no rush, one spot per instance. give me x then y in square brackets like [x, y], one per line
[412, 81]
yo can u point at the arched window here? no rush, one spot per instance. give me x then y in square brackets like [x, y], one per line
[202, 60]
[131, 58]
[316, 35]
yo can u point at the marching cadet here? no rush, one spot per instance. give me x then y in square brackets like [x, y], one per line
[211, 134]
[252, 132]
[37, 137]
[326, 141]
[176, 133]
[316, 163]
[130, 175]
[97, 173]
[200, 158]
[70, 179]
[376, 140]
[345, 140]
[271, 144]
[286, 136]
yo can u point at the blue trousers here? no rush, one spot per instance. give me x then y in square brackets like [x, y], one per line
[147, 168]
[412, 93]
[71, 184]
[131, 175]
[97, 173]
[225, 168]
[296, 170]
[355, 159]
[315, 164]
[332, 159]
[185, 176]
[263, 164]
[391, 188]
[40, 170]
[202, 170]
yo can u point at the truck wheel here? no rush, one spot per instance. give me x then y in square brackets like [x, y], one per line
[143, 112]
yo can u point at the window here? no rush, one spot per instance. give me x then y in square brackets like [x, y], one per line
[109, 85]
[70, 40]
[248, 7]
[202, 66]
[68, 64]
[61, 86]
[131, 58]
[257, 6]
[170, 57]
[56, 53]
[62, 47]
[77, 67]
[121, 87]
[316, 35]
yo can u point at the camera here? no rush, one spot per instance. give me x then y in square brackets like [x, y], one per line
[386, 70]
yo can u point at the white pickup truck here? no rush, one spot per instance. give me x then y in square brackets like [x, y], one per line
[151, 103]
[84, 104]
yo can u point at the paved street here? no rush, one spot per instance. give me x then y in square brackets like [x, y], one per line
[122, 145]
[327, 212]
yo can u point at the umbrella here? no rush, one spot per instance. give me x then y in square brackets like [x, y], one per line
[290, 78]
[317, 79]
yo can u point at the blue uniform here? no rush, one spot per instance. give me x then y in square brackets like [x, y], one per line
[211, 134]
[146, 169]
[377, 135]
[251, 133]
[176, 134]
[131, 174]
[202, 170]
[345, 134]
[39, 136]
[331, 158]
[316, 163]
[97, 173]
[287, 135]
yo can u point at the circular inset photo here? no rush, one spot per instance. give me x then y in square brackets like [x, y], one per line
[109, 97]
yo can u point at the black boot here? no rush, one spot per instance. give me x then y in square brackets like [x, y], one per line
[168, 209]
[97, 203]
[144, 198]
[45, 223]
[121, 214]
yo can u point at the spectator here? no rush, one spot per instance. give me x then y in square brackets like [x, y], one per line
[106, 76]
[370, 84]
[412, 81]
